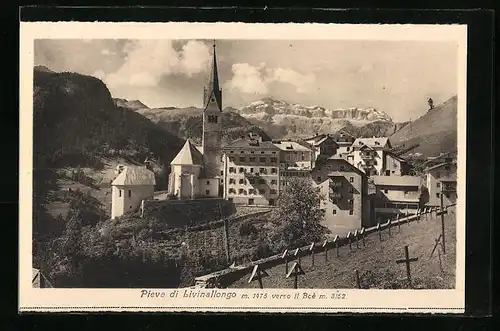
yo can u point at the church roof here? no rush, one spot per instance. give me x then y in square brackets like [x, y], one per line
[135, 175]
[188, 155]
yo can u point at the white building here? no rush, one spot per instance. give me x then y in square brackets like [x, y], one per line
[188, 178]
[367, 154]
[197, 172]
[397, 194]
[441, 179]
[132, 185]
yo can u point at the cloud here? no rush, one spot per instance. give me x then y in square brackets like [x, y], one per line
[147, 61]
[257, 80]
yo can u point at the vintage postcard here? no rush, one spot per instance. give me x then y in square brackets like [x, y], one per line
[226, 167]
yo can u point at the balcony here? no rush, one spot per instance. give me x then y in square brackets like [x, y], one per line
[448, 188]
[366, 156]
[335, 195]
[335, 184]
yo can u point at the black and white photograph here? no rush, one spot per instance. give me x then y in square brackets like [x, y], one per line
[217, 163]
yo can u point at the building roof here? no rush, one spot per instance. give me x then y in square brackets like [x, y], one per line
[451, 178]
[135, 175]
[351, 168]
[319, 139]
[291, 146]
[397, 180]
[438, 166]
[188, 155]
[394, 156]
[371, 142]
[251, 144]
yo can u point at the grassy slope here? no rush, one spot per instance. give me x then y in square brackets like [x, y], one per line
[436, 131]
[377, 261]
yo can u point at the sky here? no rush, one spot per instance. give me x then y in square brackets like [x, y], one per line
[394, 76]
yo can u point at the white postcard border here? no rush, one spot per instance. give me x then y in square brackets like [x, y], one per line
[414, 301]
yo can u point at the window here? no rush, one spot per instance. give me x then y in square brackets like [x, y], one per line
[231, 158]
[129, 193]
[348, 149]
[351, 190]
[262, 159]
[334, 212]
[303, 157]
[232, 190]
[438, 185]
[388, 172]
[386, 191]
[250, 201]
[119, 193]
[272, 191]
[230, 199]
[274, 160]
[273, 182]
[262, 170]
[242, 181]
[232, 181]
[251, 191]
[221, 172]
[208, 182]
[231, 169]
[351, 212]
[242, 170]
[274, 170]
[318, 178]
[212, 119]
[251, 170]
[242, 152]
[437, 195]
[262, 191]
[351, 179]
[251, 152]
[240, 191]
[130, 207]
[261, 152]
[242, 159]
[350, 201]
[207, 192]
[251, 159]
[231, 152]
[438, 174]
[271, 202]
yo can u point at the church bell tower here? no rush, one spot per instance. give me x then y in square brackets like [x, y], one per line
[212, 121]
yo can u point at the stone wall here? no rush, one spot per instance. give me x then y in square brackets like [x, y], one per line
[182, 213]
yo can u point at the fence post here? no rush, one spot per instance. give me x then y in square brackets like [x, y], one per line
[363, 235]
[358, 280]
[349, 237]
[285, 257]
[336, 241]
[311, 249]
[379, 233]
[389, 223]
[442, 224]
[325, 247]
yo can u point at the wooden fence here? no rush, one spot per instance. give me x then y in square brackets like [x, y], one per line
[224, 278]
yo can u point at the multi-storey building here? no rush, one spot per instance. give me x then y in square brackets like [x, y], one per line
[296, 160]
[344, 142]
[367, 154]
[323, 146]
[441, 179]
[394, 165]
[345, 189]
[396, 195]
[251, 171]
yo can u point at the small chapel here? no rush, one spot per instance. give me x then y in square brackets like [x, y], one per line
[196, 171]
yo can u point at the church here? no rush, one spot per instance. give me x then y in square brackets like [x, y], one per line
[196, 172]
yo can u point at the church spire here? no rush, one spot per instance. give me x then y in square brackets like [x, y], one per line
[212, 88]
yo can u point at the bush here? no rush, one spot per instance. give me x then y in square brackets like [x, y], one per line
[247, 229]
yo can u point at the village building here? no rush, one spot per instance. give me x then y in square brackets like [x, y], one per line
[323, 146]
[344, 142]
[132, 185]
[394, 165]
[396, 195]
[367, 154]
[441, 179]
[296, 160]
[345, 189]
[197, 172]
[251, 171]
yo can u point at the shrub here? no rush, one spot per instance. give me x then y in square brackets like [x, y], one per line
[247, 229]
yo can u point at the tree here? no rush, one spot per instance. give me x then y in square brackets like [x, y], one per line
[299, 215]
